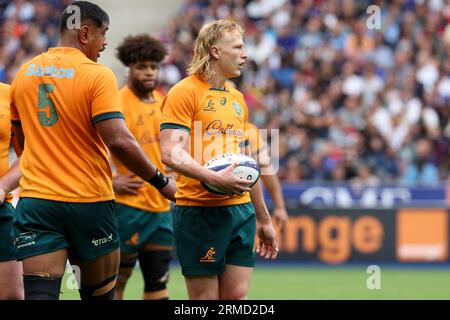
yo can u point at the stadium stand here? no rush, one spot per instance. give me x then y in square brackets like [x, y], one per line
[353, 104]
[358, 104]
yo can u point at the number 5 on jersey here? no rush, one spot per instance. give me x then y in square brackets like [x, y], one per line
[47, 110]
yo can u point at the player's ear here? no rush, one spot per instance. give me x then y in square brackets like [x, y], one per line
[214, 51]
[83, 34]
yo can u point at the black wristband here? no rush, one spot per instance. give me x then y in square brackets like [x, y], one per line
[159, 180]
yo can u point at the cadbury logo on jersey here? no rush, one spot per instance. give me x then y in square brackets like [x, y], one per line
[216, 127]
[49, 71]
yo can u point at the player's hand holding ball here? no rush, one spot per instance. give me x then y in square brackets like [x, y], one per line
[233, 174]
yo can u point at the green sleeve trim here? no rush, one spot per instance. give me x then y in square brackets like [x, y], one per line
[16, 123]
[106, 116]
[174, 126]
[216, 89]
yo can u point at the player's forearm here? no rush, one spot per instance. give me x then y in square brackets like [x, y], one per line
[272, 184]
[19, 137]
[124, 146]
[10, 180]
[131, 155]
[181, 161]
[256, 194]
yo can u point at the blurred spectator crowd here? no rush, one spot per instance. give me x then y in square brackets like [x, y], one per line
[27, 28]
[353, 101]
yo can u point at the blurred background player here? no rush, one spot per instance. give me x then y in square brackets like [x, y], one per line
[145, 221]
[214, 234]
[66, 207]
[11, 284]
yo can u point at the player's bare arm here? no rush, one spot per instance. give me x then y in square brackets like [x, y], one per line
[19, 137]
[124, 146]
[268, 245]
[174, 144]
[10, 180]
[271, 182]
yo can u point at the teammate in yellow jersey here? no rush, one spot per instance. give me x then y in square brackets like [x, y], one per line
[65, 111]
[11, 284]
[214, 234]
[145, 221]
[269, 177]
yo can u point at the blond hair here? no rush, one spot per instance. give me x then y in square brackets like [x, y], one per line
[207, 37]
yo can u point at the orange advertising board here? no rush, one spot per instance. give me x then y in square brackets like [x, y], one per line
[422, 235]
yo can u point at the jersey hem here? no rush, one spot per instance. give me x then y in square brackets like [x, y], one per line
[212, 202]
[66, 199]
[144, 208]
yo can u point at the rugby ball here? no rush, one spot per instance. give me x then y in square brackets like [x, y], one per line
[247, 169]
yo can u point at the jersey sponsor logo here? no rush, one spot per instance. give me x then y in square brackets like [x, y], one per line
[102, 241]
[147, 138]
[210, 106]
[223, 101]
[49, 71]
[216, 127]
[209, 256]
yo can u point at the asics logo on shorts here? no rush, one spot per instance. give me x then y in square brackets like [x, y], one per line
[101, 241]
[209, 256]
[134, 240]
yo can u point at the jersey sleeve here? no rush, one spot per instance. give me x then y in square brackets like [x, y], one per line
[14, 113]
[105, 96]
[124, 106]
[178, 108]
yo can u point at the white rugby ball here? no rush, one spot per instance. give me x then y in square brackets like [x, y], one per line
[247, 169]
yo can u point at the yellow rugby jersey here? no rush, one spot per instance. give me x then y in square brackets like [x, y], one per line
[216, 120]
[143, 121]
[5, 132]
[58, 96]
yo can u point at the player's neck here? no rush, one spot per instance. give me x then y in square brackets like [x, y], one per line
[146, 97]
[217, 81]
[66, 43]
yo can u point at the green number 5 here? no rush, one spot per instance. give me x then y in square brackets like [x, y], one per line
[47, 111]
